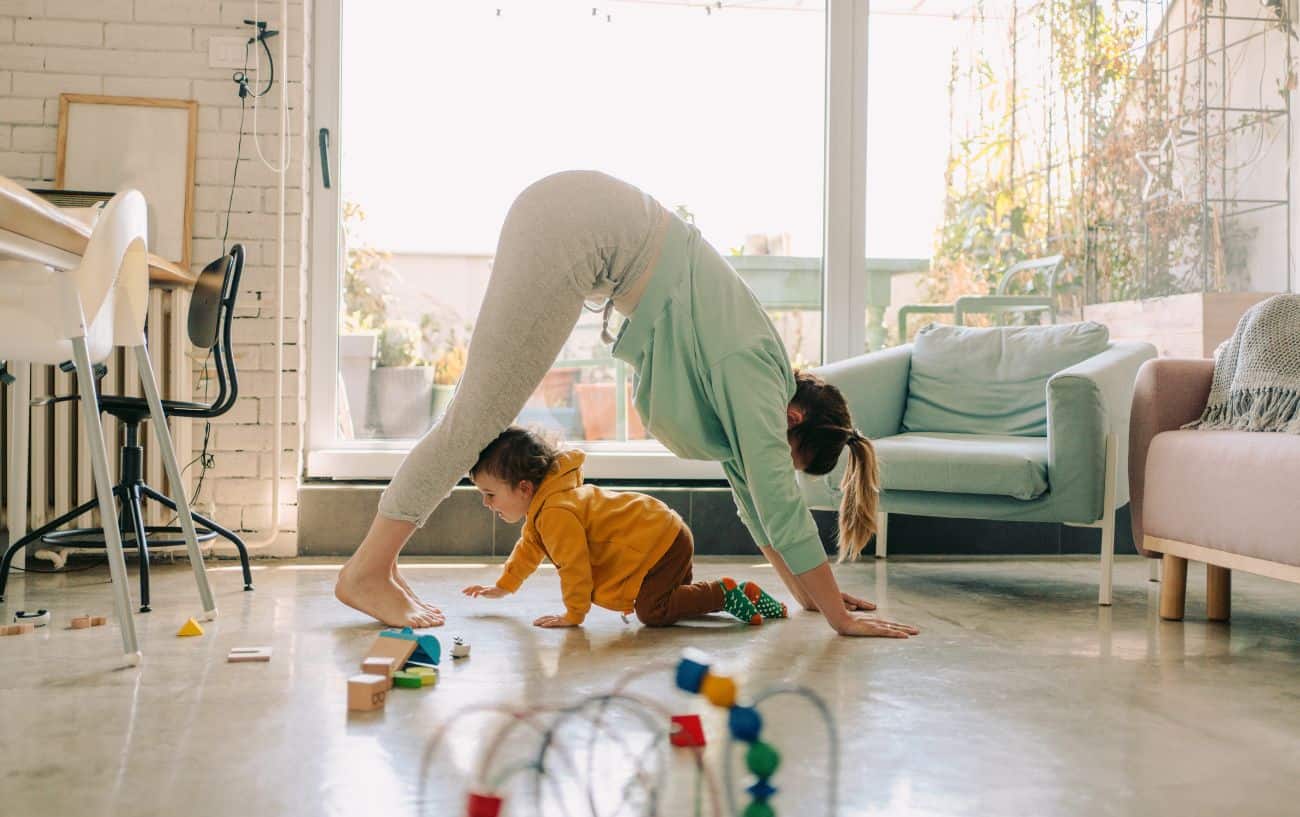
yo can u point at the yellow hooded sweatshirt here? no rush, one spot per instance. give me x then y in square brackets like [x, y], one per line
[602, 543]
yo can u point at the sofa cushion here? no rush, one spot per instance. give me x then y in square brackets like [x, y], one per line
[964, 464]
[1229, 490]
[976, 380]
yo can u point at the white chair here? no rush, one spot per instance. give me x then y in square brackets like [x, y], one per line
[49, 315]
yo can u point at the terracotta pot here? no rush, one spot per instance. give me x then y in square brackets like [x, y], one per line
[596, 406]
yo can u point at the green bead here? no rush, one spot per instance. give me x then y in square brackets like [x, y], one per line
[758, 809]
[762, 759]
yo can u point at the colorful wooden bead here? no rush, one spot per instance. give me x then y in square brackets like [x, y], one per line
[762, 790]
[719, 689]
[762, 759]
[686, 731]
[745, 723]
[758, 808]
[690, 674]
[483, 805]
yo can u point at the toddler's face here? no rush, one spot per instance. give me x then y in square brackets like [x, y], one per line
[506, 501]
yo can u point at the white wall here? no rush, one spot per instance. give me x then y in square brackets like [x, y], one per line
[159, 48]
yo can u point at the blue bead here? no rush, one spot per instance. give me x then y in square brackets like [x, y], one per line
[762, 790]
[745, 723]
[690, 674]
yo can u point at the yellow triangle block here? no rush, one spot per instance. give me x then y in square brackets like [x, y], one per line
[190, 627]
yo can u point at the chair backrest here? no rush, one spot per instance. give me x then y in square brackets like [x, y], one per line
[1048, 267]
[210, 320]
[114, 269]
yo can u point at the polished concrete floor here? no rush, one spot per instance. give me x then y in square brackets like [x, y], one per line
[1021, 697]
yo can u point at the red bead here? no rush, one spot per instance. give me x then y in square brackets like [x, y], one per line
[483, 805]
[686, 731]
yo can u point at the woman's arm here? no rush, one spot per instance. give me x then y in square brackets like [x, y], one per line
[791, 583]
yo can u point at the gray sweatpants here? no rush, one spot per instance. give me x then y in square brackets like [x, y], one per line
[567, 239]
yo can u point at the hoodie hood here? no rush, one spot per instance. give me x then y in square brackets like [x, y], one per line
[565, 475]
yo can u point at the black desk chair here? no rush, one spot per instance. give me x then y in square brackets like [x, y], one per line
[211, 313]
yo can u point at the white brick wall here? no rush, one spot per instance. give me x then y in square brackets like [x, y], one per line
[159, 48]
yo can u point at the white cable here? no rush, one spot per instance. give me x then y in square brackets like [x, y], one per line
[284, 88]
[273, 531]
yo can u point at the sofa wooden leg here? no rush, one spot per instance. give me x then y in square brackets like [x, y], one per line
[1218, 593]
[1173, 587]
[882, 534]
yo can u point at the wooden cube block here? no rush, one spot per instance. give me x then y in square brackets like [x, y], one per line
[367, 692]
[80, 622]
[98, 621]
[380, 666]
[16, 629]
[244, 655]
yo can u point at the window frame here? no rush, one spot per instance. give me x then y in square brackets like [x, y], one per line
[843, 253]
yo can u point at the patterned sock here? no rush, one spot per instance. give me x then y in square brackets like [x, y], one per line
[767, 606]
[735, 601]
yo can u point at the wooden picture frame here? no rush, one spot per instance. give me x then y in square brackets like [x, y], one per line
[122, 142]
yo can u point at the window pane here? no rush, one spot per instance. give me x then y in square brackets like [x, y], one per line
[718, 113]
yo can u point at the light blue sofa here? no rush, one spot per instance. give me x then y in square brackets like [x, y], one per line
[1066, 461]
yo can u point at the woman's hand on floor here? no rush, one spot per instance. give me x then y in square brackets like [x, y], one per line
[851, 603]
[857, 624]
[489, 591]
[554, 621]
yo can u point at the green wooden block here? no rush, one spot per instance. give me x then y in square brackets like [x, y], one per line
[402, 678]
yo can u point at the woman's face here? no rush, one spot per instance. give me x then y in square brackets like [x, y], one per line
[506, 501]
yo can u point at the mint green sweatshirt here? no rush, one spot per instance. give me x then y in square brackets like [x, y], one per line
[714, 382]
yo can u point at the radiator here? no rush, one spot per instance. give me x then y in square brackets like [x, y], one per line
[58, 469]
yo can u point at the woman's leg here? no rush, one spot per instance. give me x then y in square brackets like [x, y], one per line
[533, 301]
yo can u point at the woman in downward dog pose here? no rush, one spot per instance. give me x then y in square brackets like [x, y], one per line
[715, 383]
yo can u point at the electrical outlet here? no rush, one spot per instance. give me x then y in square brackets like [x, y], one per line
[226, 52]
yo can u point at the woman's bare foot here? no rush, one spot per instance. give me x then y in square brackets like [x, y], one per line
[382, 598]
[400, 581]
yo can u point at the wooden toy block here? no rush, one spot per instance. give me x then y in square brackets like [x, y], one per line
[17, 629]
[428, 675]
[686, 731]
[243, 655]
[367, 692]
[407, 680]
[380, 666]
[98, 621]
[190, 628]
[397, 649]
[428, 650]
[80, 622]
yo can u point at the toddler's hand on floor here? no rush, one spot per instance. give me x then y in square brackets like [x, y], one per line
[489, 591]
[554, 621]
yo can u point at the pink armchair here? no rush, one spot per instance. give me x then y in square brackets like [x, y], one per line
[1225, 498]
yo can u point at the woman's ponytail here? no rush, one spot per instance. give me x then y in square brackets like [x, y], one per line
[861, 496]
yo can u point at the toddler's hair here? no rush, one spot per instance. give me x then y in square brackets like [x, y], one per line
[516, 455]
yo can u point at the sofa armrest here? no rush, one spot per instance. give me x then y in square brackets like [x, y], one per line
[1169, 393]
[1085, 403]
[875, 386]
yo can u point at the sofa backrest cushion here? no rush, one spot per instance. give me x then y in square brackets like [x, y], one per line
[975, 380]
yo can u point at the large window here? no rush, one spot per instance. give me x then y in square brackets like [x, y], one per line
[445, 110]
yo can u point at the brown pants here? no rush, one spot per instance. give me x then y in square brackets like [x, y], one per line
[667, 595]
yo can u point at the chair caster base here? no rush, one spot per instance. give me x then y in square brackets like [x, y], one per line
[248, 588]
[146, 609]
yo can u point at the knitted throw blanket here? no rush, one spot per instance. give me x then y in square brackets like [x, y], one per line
[1256, 383]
